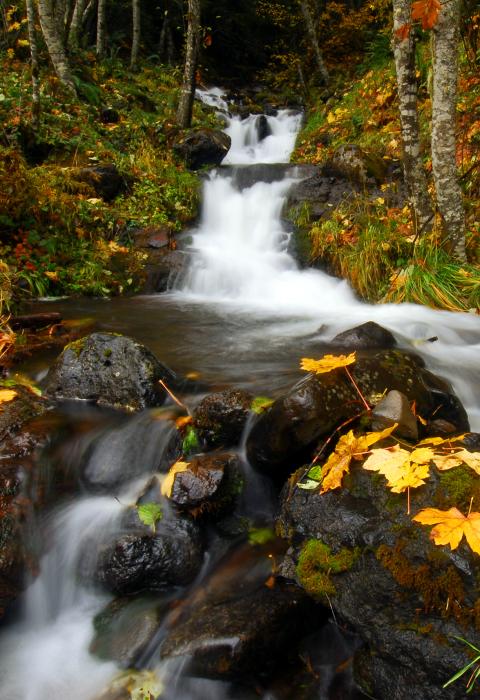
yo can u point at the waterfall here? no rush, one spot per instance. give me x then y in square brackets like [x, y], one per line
[241, 264]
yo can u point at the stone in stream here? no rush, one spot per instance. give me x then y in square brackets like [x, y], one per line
[406, 597]
[21, 433]
[109, 369]
[220, 418]
[144, 561]
[202, 147]
[284, 435]
[367, 336]
[395, 408]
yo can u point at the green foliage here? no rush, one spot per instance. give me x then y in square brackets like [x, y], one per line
[190, 441]
[260, 404]
[475, 664]
[260, 535]
[150, 514]
[317, 563]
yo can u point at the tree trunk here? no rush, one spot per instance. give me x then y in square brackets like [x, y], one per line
[32, 38]
[76, 23]
[102, 6]
[312, 33]
[187, 93]
[165, 42]
[415, 178]
[136, 34]
[55, 45]
[446, 37]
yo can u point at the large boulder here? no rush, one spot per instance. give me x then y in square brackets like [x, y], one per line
[284, 435]
[150, 561]
[367, 336]
[220, 418]
[201, 147]
[104, 180]
[109, 369]
[357, 548]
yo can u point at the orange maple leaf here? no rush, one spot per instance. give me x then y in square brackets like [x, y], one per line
[426, 11]
[403, 32]
[451, 526]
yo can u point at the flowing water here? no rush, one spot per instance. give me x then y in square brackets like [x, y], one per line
[243, 314]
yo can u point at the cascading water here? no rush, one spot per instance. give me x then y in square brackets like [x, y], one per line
[242, 265]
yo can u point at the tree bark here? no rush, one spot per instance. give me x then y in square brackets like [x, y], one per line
[414, 173]
[102, 6]
[312, 33]
[55, 45]
[136, 28]
[187, 93]
[32, 38]
[76, 23]
[446, 35]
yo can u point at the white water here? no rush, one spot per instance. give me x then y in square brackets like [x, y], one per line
[241, 264]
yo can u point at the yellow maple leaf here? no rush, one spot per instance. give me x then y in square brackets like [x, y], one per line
[470, 458]
[169, 480]
[444, 462]
[401, 468]
[7, 395]
[440, 441]
[327, 363]
[451, 525]
[348, 447]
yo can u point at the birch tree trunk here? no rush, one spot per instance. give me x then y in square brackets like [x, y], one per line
[414, 173]
[102, 6]
[136, 34]
[55, 45]
[76, 23]
[446, 36]
[187, 93]
[32, 38]
[312, 33]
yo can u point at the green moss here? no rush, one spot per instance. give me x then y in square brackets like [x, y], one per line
[316, 565]
[107, 352]
[457, 486]
[77, 346]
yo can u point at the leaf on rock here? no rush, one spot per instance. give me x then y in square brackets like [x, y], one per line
[327, 363]
[348, 447]
[182, 421]
[451, 526]
[260, 404]
[169, 480]
[444, 462]
[401, 468]
[7, 395]
[150, 514]
[470, 458]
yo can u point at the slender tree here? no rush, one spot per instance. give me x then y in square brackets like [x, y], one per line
[100, 49]
[187, 92]
[136, 29]
[446, 36]
[55, 45]
[312, 33]
[32, 39]
[415, 178]
[76, 23]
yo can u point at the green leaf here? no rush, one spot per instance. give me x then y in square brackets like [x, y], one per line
[260, 404]
[308, 485]
[150, 514]
[190, 441]
[315, 473]
[260, 535]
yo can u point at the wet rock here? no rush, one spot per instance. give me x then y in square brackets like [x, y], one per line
[395, 408]
[109, 115]
[220, 418]
[284, 435]
[210, 484]
[232, 639]
[387, 580]
[202, 147]
[19, 438]
[356, 165]
[108, 369]
[125, 627]
[140, 561]
[105, 180]
[367, 336]
[262, 127]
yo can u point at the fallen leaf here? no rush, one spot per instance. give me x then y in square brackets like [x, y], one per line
[401, 468]
[451, 525]
[327, 363]
[150, 514]
[7, 395]
[182, 421]
[169, 480]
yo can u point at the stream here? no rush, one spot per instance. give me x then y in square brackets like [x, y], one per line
[242, 316]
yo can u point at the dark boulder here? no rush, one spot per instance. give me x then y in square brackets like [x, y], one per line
[262, 127]
[241, 636]
[357, 548]
[220, 418]
[109, 115]
[108, 369]
[284, 435]
[356, 165]
[202, 147]
[367, 336]
[144, 561]
[105, 180]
